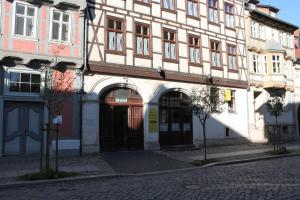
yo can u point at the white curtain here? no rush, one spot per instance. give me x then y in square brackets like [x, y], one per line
[139, 41]
[211, 15]
[167, 50]
[111, 40]
[173, 51]
[213, 59]
[192, 56]
[195, 9]
[171, 4]
[216, 19]
[190, 8]
[197, 55]
[119, 42]
[166, 4]
[218, 60]
[146, 48]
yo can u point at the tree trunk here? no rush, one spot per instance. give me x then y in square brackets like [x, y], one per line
[204, 139]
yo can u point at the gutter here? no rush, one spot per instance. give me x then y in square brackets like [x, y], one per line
[82, 77]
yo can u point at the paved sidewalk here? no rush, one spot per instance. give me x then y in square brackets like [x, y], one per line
[117, 163]
[231, 152]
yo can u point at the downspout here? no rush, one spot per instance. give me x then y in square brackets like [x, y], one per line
[82, 76]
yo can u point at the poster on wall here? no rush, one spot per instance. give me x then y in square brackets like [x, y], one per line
[153, 120]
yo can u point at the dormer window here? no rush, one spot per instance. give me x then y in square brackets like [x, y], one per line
[252, 6]
[273, 14]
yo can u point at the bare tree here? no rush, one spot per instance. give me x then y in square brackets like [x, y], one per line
[205, 102]
[275, 108]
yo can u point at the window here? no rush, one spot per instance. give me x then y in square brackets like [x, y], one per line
[282, 38]
[276, 64]
[265, 63]
[255, 62]
[290, 40]
[169, 4]
[231, 103]
[115, 35]
[215, 54]
[231, 53]
[170, 45]
[192, 6]
[60, 26]
[24, 82]
[213, 11]
[229, 11]
[142, 33]
[257, 30]
[254, 29]
[25, 20]
[146, 2]
[194, 50]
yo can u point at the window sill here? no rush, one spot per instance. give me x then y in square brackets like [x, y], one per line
[230, 28]
[170, 60]
[233, 70]
[214, 23]
[142, 3]
[121, 53]
[169, 10]
[217, 68]
[195, 64]
[19, 37]
[60, 42]
[193, 17]
[143, 56]
[256, 38]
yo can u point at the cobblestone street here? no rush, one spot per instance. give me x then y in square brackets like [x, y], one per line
[269, 179]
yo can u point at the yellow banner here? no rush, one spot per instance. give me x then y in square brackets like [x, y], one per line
[227, 95]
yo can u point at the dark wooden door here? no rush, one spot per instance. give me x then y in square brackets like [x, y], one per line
[121, 128]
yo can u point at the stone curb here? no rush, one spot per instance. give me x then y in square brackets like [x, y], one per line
[120, 175]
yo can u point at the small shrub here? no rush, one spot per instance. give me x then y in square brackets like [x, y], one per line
[46, 175]
[283, 150]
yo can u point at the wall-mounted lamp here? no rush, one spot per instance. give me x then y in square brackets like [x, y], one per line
[209, 78]
[161, 71]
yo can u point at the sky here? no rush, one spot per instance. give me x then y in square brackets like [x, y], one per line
[289, 9]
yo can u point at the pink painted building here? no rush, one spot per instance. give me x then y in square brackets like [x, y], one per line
[36, 38]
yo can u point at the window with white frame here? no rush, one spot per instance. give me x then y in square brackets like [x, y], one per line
[25, 20]
[170, 45]
[255, 63]
[276, 64]
[254, 29]
[262, 34]
[194, 50]
[282, 38]
[142, 33]
[60, 26]
[22, 82]
[290, 40]
[232, 57]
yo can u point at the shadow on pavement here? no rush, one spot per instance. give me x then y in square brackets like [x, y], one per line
[141, 162]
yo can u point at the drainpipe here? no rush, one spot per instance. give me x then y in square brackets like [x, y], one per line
[82, 77]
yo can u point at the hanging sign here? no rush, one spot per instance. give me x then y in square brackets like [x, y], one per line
[227, 95]
[153, 120]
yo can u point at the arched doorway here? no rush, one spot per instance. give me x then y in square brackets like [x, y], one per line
[175, 119]
[121, 120]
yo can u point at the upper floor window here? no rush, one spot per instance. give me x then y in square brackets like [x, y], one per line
[115, 35]
[192, 6]
[213, 11]
[25, 20]
[215, 53]
[60, 26]
[169, 4]
[282, 38]
[255, 63]
[170, 45]
[232, 59]
[276, 64]
[257, 30]
[229, 11]
[290, 41]
[146, 2]
[142, 33]
[194, 50]
[24, 82]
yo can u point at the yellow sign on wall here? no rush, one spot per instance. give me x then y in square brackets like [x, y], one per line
[153, 120]
[227, 95]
